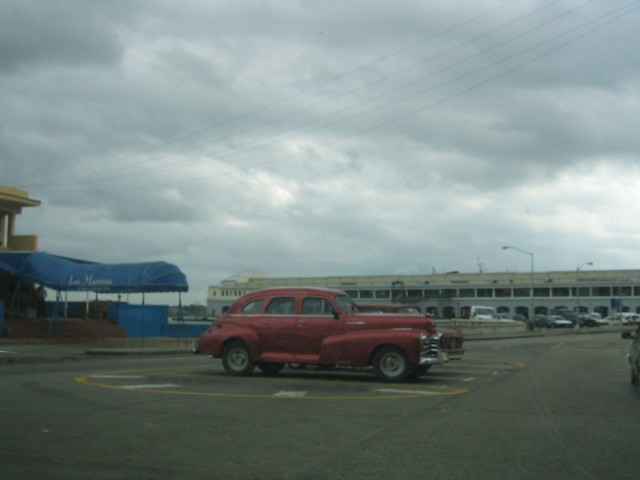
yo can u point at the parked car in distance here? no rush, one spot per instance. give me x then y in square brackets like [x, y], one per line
[634, 354]
[586, 320]
[558, 321]
[540, 321]
[514, 317]
[319, 326]
[601, 321]
[627, 318]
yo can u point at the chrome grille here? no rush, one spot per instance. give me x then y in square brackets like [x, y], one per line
[431, 346]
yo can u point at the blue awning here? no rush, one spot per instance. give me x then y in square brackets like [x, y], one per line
[66, 274]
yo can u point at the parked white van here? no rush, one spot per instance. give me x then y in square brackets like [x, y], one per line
[482, 313]
[628, 318]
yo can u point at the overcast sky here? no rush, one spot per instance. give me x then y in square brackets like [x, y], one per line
[307, 138]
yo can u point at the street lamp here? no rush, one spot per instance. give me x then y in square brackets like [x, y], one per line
[578, 291]
[531, 314]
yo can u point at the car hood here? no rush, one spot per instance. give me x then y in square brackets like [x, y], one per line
[378, 321]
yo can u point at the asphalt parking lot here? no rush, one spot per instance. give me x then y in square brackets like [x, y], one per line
[160, 411]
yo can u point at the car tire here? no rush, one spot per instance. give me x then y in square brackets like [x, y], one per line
[391, 364]
[236, 359]
[271, 369]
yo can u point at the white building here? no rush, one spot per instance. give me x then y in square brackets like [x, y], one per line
[450, 295]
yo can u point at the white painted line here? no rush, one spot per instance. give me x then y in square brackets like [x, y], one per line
[7, 351]
[290, 394]
[470, 379]
[409, 392]
[148, 387]
[117, 376]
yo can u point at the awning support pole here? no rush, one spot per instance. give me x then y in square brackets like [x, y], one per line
[181, 325]
[55, 318]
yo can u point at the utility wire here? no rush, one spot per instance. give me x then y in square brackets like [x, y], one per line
[614, 16]
[66, 179]
[596, 24]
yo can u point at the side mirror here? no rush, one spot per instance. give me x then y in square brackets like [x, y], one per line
[336, 315]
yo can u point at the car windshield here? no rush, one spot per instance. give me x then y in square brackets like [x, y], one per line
[346, 304]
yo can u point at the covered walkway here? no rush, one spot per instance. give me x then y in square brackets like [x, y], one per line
[64, 274]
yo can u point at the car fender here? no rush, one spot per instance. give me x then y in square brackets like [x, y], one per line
[214, 340]
[359, 347]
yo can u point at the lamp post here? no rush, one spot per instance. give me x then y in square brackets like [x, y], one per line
[578, 291]
[531, 313]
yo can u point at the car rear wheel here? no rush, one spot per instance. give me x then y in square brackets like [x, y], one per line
[236, 359]
[392, 365]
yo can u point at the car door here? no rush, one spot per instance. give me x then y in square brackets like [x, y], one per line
[315, 323]
[276, 326]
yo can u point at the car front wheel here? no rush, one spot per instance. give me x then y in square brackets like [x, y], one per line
[392, 365]
[236, 359]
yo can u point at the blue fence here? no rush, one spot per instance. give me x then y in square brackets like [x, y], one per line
[152, 321]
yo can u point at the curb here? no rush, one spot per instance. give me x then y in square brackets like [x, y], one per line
[136, 351]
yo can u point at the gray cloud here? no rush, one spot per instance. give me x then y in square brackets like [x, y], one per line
[324, 138]
[35, 35]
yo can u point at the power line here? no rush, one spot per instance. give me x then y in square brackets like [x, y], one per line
[66, 179]
[592, 26]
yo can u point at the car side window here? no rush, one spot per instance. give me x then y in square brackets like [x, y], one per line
[316, 306]
[346, 303]
[253, 307]
[281, 306]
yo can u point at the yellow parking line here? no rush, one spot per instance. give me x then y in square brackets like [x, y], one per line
[409, 392]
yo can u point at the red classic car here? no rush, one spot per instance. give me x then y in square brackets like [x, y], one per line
[270, 328]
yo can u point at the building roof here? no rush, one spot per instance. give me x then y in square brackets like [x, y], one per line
[444, 280]
[13, 200]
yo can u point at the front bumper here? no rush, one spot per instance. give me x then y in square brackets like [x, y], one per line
[430, 352]
[454, 353]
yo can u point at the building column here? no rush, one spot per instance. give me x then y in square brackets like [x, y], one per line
[3, 231]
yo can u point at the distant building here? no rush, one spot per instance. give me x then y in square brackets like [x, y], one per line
[12, 201]
[450, 295]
